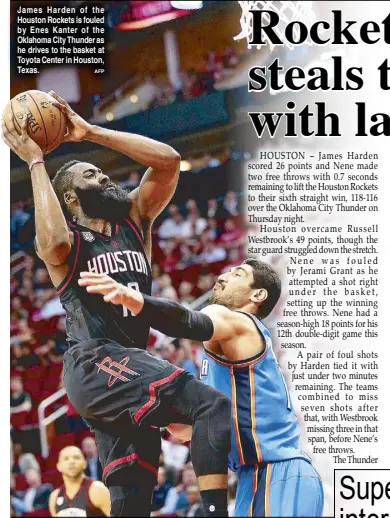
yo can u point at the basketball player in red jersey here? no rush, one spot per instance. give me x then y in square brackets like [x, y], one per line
[84, 222]
[79, 495]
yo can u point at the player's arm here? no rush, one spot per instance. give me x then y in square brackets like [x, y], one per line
[214, 323]
[100, 497]
[52, 235]
[24, 407]
[52, 502]
[158, 183]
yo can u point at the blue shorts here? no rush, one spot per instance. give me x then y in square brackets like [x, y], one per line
[289, 488]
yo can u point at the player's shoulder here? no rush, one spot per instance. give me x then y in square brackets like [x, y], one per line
[54, 494]
[219, 311]
[98, 494]
[216, 310]
[56, 491]
[96, 487]
[97, 484]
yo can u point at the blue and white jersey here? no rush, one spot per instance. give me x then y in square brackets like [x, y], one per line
[264, 424]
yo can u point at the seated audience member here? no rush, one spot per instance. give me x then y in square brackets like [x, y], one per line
[20, 400]
[34, 498]
[232, 236]
[176, 501]
[186, 257]
[194, 507]
[175, 453]
[94, 468]
[230, 203]
[161, 490]
[212, 254]
[22, 462]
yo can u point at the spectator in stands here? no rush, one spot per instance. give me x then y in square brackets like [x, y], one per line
[167, 291]
[185, 293]
[173, 225]
[205, 282]
[177, 498]
[168, 352]
[132, 182]
[213, 230]
[26, 359]
[212, 207]
[232, 236]
[187, 257]
[212, 254]
[52, 307]
[34, 498]
[184, 357]
[230, 203]
[235, 256]
[216, 211]
[18, 312]
[22, 462]
[19, 217]
[156, 274]
[161, 490]
[25, 334]
[171, 258]
[194, 507]
[94, 468]
[195, 224]
[175, 453]
[20, 400]
[42, 280]
[27, 289]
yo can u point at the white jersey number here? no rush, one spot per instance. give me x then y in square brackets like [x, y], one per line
[135, 286]
[205, 369]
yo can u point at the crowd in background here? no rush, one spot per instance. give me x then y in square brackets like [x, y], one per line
[156, 89]
[193, 243]
[196, 81]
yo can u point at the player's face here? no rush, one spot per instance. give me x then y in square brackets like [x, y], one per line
[71, 462]
[233, 289]
[99, 197]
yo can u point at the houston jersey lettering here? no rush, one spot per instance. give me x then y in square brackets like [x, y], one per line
[122, 257]
[264, 425]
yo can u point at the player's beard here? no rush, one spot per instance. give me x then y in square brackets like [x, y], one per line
[98, 202]
[233, 301]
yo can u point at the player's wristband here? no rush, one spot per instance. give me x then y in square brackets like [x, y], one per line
[34, 162]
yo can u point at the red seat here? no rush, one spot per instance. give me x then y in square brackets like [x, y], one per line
[53, 477]
[54, 370]
[51, 461]
[39, 512]
[33, 386]
[20, 482]
[36, 372]
[62, 440]
[81, 436]
[32, 417]
[19, 419]
[51, 383]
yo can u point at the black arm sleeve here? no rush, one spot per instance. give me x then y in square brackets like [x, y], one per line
[175, 320]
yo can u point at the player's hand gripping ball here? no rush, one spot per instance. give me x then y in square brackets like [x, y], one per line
[46, 123]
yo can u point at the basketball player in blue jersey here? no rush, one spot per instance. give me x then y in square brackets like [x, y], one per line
[84, 222]
[275, 477]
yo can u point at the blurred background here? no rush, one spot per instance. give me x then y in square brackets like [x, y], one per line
[173, 73]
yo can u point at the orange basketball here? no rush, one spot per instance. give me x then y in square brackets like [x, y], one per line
[46, 124]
